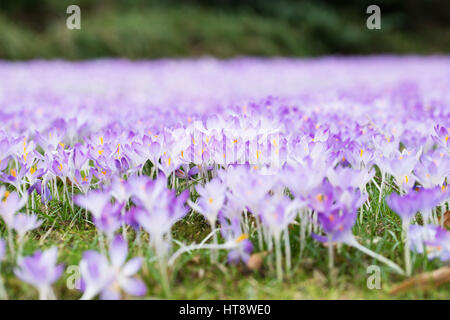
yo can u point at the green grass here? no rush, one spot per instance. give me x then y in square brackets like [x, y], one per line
[194, 277]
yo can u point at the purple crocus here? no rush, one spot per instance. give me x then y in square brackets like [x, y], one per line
[405, 206]
[10, 205]
[337, 224]
[232, 232]
[94, 201]
[41, 271]
[167, 211]
[432, 239]
[442, 136]
[110, 278]
[212, 197]
[23, 223]
[110, 219]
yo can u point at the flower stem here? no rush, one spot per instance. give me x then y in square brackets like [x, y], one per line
[378, 257]
[330, 259]
[278, 259]
[287, 246]
[165, 276]
[408, 266]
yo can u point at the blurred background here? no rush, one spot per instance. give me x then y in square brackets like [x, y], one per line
[138, 29]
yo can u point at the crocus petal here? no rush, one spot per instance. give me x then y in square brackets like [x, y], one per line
[134, 287]
[118, 251]
[132, 266]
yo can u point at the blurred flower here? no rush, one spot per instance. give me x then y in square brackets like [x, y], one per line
[109, 278]
[23, 223]
[40, 270]
[432, 240]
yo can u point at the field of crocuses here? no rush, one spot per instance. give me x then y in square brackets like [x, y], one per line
[247, 178]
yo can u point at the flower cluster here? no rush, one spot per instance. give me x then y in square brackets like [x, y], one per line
[255, 147]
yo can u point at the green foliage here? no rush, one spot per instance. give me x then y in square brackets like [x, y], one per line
[154, 29]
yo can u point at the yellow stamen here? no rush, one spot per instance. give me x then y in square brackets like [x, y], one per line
[101, 140]
[210, 200]
[13, 173]
[100, 152]
[242, 237]
[319, 197]
[361, 153]
[5, 196]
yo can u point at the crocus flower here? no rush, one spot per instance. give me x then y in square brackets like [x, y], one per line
[232, 232]
[401, 167]
[166, 213]
[442, 136]
[40, 270]
[432, 239]
[94, 201]
[10, 205]
[212, 197]
[83, 183]
[23, 223]
[337, 224]
[109, 278]
[110, 219]
[406, 207]
[433, 169]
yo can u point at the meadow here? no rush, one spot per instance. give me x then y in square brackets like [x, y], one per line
[278, 178]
